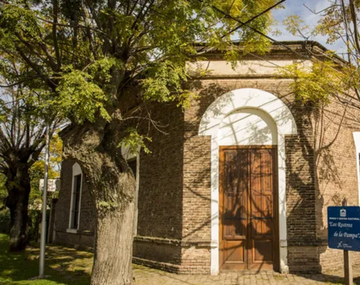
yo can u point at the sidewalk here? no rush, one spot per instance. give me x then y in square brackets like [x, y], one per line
[147, 276]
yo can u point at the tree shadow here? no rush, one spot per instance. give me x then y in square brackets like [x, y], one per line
[248, 208]
[329, 279]
[63, 265]
[305, 203]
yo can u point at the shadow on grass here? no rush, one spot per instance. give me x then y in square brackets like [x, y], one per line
[62, 265]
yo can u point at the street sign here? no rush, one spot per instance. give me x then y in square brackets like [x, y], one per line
[344, 227]
[53, 185]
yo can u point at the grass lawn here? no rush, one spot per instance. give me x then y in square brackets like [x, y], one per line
[62, 265]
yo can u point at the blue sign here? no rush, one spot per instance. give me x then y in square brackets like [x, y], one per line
[344, 228]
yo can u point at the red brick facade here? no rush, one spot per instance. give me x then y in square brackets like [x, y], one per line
[174, 215]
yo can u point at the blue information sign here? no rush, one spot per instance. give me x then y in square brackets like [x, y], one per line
[344, 228]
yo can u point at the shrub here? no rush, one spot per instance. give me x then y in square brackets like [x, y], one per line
[5, 221]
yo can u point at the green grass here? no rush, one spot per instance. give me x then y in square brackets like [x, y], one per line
[62, 265]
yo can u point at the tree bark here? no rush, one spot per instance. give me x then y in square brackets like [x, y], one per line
[112, 187]
[18, 187]
[113, 248]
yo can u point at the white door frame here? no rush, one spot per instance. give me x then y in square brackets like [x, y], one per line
[210, 125]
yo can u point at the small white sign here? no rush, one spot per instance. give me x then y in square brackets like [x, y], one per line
[53, 185]
[343, 213]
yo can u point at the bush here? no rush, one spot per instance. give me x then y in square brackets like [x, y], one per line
[5, 221]
[34, 220]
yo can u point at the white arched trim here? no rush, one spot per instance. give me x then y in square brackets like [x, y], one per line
[210, 125]
[76, 174]
[76, 169]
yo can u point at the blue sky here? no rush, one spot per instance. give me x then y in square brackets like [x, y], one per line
[297, 7]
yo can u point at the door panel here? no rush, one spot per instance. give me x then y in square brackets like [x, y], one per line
[234, 209]
[247, 221]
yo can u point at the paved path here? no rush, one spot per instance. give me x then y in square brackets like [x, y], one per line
[147, 276]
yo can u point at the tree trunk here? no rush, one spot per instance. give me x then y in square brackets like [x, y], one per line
[113, 248]
[112, 187]
[18, 186]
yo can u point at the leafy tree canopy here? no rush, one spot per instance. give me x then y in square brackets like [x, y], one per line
[90, 58]
[76, 50]
[333, 75]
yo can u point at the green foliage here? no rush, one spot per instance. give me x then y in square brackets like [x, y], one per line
[163, 81]
[333, 76]
[317, 82]
[134, 141]
[63, 265]
[4, 221]
[79, 97]
[295, 25]
[103, 205]
[3, 191]
[33, 224]
[85, 57]
[36, 173]
[84, 54]
[56, 149]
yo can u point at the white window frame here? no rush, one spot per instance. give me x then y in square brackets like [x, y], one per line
[76, 170]
[130, 156]
[357, 149]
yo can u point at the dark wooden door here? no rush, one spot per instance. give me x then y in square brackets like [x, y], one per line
[248, 225]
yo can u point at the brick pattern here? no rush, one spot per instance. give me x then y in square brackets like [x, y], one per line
[160, 190]
[300, 194]
[160, 210]
[174, 197]
[305, 253]
[146, 276]
[197, 172]
[336, 168]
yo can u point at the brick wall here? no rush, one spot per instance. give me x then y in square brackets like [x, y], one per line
[305, 205]
[300, 176]
[160, 192]
[300, 194]
[174, 224]
[336, 169]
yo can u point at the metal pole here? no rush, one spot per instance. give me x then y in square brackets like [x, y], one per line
[44, 202]
[347, 261]
[348, 268]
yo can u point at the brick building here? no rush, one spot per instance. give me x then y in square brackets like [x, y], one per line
[244, 177]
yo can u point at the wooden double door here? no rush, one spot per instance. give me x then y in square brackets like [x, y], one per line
[248, 208]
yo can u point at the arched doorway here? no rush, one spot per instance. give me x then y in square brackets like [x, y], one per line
[248, 218]
[248, 126]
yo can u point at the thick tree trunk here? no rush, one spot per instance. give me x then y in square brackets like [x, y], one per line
[18, 186]
[113, 249]
[112, 187]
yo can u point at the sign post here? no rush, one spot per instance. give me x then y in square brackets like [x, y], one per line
[348, 274]
[344, 234]
[348, 268]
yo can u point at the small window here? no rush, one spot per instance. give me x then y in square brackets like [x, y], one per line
[133, 161]
[75, 203]
[132, 165]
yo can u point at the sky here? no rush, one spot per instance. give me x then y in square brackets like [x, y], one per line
[297, 7]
